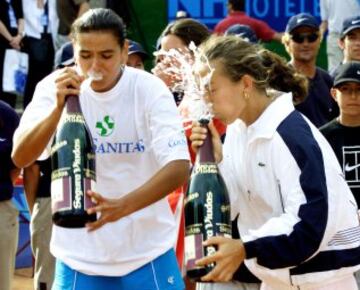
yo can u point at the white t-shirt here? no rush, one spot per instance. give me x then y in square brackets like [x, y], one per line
[34, 18]
[146, 134]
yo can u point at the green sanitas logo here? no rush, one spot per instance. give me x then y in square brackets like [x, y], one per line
[106, 127]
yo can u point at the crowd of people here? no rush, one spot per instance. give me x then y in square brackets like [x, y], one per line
[284, 135]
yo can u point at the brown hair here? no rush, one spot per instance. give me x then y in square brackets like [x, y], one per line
[269, 70]
[187, 30]
[100, 19]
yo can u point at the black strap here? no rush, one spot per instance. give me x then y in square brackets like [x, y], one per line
[46, 12]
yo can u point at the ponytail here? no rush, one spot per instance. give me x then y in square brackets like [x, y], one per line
[269, 70]
[283, 77]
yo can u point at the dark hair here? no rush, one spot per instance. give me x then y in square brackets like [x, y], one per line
[187, 30]
[269, 70]
[100, 19]
[237, 5]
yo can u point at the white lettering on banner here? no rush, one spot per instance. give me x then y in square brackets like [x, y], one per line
[274, 12]
[209, 12]
[256, 8]
[267, 10]
[209, 7]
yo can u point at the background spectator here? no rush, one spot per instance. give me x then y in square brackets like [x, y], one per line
[349, 41]
[243, 31]
[136, 55]
[302, 42]
[97, 3]
[11, 35]
[177, 35]
[9, 224]
[333, 13]
[68, 11]
[343, 133]
[64, 56]
[181, 14]
[237, 16]
[37, 180]
[38, 42]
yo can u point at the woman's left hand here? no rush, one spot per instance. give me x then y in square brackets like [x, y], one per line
[16, 42]
[110, 210]
[228, 258]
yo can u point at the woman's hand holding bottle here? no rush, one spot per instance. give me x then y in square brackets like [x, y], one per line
[198, 135]
[68, 82]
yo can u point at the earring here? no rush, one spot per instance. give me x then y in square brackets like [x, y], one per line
[246, 96]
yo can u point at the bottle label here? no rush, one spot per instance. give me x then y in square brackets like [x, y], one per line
[213, 223]
[58, 146]
[190, 197]
[61, 193]
[89, 184]
[72, 118]
[205, 169]
[194, 250]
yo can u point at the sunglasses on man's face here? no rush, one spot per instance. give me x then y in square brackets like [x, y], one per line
[300, 37]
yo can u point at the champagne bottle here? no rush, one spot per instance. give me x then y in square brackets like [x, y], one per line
[73, 168]
[207, 209]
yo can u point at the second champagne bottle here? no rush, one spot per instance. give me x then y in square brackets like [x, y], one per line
[207, 209]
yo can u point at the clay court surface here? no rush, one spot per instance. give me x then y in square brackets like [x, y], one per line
[23, 280]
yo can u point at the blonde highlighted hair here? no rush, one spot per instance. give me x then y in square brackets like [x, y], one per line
[269, 70]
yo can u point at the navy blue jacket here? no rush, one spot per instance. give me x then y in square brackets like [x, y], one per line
[9, 121]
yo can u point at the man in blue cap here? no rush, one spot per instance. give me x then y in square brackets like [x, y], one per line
[243, 31]
[343, 133]
[64, 56]
[333, 13]
[136, 55]
[349, 42]
[302, 42]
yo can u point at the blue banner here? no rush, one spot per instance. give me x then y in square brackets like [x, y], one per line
[275, 12]
[24, 256]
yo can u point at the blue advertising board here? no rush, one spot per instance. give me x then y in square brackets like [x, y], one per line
[24, 256]
[275, 12]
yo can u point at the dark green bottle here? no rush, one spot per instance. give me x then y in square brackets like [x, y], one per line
[207, 209]
[73, 168]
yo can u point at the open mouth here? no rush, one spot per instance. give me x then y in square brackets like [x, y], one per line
[95, 76]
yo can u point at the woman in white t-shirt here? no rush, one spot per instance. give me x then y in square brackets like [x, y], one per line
[142, 158]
